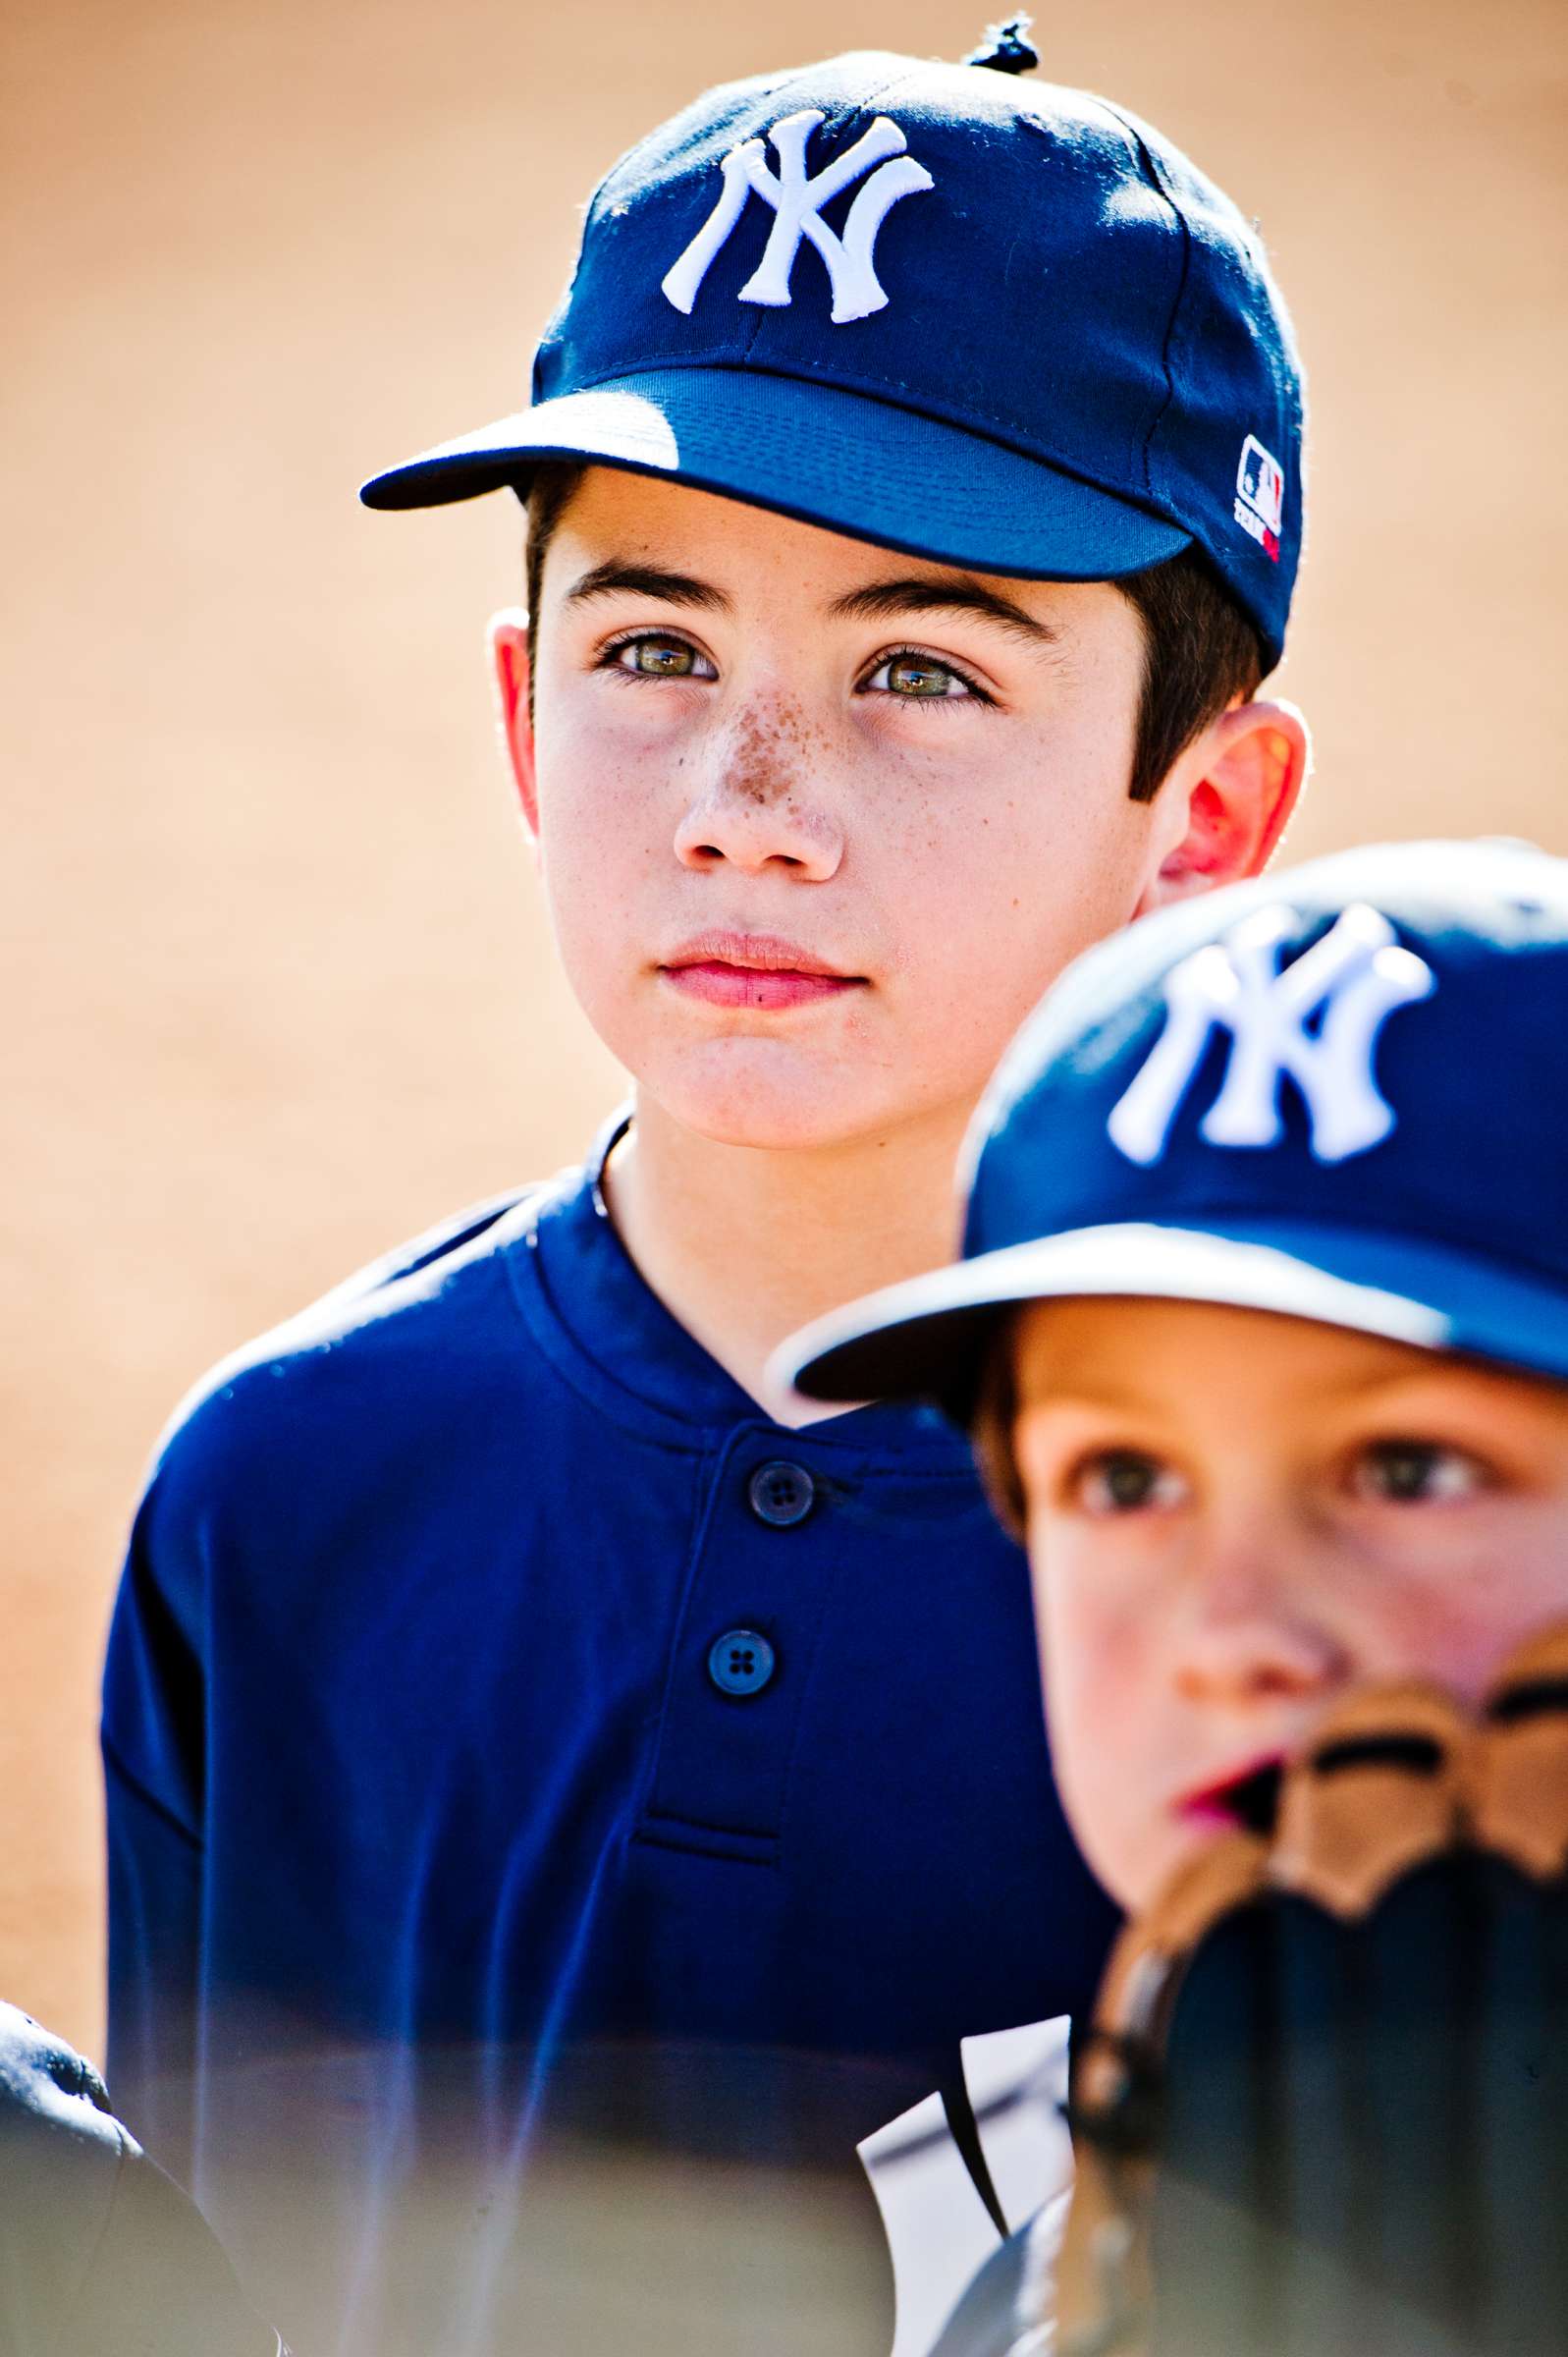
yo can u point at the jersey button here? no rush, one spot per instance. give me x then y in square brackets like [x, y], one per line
[781, 1494]
[741, 1662]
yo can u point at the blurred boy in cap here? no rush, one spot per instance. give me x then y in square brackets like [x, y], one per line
[1261, 1331]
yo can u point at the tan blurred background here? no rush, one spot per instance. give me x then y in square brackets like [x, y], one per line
[277, 988]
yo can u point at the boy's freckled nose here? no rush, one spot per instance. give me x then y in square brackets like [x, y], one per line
[761, 754]
[754, 806]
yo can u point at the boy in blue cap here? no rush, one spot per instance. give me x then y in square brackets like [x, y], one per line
[1260, 1332]
[914, 499]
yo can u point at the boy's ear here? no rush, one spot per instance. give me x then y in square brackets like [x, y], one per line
[1225, 804]
[510, 662]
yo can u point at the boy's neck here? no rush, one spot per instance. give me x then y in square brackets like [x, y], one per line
[745, 1244]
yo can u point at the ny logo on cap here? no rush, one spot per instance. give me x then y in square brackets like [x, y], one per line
[797, 204]
[1350, 981]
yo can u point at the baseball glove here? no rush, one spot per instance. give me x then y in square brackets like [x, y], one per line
[1323, 2106]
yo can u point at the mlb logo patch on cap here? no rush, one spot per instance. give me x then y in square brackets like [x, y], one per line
[1260, 507]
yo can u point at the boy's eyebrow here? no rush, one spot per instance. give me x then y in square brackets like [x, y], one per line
[918, 593]
[644, 581]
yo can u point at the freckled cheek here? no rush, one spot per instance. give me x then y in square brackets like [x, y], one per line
[1039, 866]
[1087, 845]
[943, 867]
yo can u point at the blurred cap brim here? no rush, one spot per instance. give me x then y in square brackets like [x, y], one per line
[846, 461]
[928, 1339]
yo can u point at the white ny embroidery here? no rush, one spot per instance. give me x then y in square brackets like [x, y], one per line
[797, 204]
[1356, 974]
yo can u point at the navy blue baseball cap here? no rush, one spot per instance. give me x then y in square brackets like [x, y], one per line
[1337, 1093]
[992, 322]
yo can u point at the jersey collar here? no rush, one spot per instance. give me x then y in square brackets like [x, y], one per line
[614, 1339]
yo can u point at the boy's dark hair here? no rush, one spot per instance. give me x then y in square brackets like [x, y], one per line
[1201, 652]
[990, 1431]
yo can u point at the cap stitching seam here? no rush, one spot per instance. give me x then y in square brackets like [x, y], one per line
[1157, 179]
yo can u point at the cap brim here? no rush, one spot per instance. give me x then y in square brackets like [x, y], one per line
[842, 460]
[928, 1339]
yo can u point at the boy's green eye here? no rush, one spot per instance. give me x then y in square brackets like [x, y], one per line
[910, 677]
[1126, 1481]
[920, 679]
[1400, 1472]
[655, 658]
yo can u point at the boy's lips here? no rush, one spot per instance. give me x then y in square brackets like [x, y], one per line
[1246, 1797]
[754, 969]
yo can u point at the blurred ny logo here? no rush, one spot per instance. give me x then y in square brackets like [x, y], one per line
[1318, 1021]
[797, 204]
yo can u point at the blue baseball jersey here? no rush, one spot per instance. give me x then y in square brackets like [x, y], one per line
[509, 1727]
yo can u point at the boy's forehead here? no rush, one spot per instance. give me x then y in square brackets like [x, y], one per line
[1110, 1347]
[619, 503]
[1179, 1355]
[613, 515]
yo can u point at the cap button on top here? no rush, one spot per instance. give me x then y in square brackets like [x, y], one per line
[740, 1661]
[781, 1493]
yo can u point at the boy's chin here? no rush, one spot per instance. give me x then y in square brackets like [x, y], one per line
[768, 1102]
[765, 1127]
